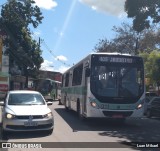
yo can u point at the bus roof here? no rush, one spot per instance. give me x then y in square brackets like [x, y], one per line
[48, 79]
[98, 53]
[110, 53]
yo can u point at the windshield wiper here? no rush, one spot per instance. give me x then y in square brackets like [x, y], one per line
[33, 104]
[15, 104]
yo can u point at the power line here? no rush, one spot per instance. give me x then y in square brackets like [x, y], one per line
[51, 52]
[56, 57]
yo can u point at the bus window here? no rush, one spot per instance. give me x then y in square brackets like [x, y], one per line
[77, 75]
[67, 80]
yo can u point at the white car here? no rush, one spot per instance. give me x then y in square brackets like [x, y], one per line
[25, 110]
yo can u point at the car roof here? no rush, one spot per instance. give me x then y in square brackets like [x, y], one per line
[24, 91]
[150, 92]
[156, 97]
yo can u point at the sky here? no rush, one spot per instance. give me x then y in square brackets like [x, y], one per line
[71, 29]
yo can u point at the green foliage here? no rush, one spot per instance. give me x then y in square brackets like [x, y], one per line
[143, 12]
[16, 18]
[152, 66]
[124, 41]
[127, 40]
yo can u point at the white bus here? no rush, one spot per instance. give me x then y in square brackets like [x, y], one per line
[50, 89]
[105, 85]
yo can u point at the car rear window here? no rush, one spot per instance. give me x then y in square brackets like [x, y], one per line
[156, 100]
[151, 94]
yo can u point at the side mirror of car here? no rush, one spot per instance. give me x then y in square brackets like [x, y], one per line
[1, 103]
[49, 103]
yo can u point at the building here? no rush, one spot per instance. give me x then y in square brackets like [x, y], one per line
[57, 76]
[8, 80]
[4, 68]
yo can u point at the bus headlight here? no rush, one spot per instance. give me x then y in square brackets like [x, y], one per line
[139, 106]
[93, 104]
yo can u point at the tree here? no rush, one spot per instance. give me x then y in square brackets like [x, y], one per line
[16, 18]
[144, 13]
[152, 66]
[127, 40]
[105, 45]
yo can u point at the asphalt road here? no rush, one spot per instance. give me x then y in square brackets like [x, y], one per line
[68, 128]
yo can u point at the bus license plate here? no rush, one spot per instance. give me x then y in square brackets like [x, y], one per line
[117, 116]
[30, 123]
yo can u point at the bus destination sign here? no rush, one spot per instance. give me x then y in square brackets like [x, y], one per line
[115, 59]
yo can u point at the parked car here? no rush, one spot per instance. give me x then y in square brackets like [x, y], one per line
[153, 107]
[25, 110]
[149, 96]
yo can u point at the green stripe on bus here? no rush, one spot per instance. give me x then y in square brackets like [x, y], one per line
[75, 90]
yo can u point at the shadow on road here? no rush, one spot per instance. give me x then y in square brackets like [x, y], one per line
[23, 135]
[134, 130]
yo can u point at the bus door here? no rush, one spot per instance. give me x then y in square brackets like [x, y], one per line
[86, 78]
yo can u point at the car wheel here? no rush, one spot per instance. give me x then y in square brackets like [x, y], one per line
[148, 114]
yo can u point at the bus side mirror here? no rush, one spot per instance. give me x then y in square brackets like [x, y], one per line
[87, 73]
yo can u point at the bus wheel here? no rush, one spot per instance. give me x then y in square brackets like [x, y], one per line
[67, 109]
[65, 104]
[80, 116]
[59, 102]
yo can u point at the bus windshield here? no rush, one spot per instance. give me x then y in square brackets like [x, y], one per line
[43, 86]
[117, 80]
[51, 89]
